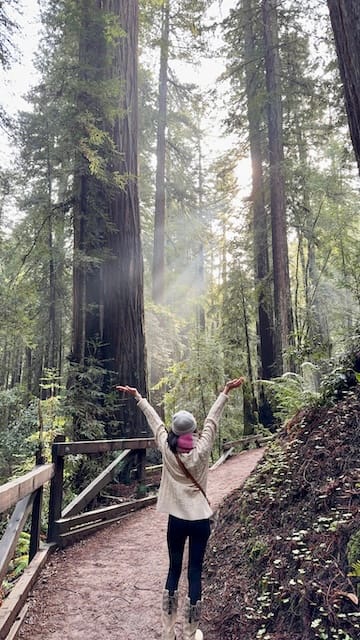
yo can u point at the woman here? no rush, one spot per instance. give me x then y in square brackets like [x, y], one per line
[182, 495]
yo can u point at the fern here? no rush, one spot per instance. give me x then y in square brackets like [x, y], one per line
[287, 394]
[18, 565]
[355, 569]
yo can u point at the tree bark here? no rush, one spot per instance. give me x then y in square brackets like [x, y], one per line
[345, 21]
[282, 299]
[200, 275]
[260, 218]
[108, 275]
[158, 267]
[123, 274]
[50, 356]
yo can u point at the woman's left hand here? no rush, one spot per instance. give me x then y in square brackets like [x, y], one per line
[233, 384]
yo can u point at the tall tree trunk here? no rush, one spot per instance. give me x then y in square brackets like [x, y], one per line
[60, 271]
[200, 275]
[4, 370]
[52, 333]
[249, 400]
[158, 267]
[28, 369]
[158, 263]
[260, 218]
[311, 334]
[123, 274]
[282, 300]
[345, 21]
[89, 58]
[108, 274]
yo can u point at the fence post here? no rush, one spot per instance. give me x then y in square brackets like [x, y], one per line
[35, 524]
[140, 472]
[36, 512]
[56, 491]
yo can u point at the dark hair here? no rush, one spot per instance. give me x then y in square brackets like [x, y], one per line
[172, 441]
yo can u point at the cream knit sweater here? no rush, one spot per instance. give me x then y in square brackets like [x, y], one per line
[178, 496]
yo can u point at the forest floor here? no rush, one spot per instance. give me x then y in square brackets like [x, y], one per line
[109, 585]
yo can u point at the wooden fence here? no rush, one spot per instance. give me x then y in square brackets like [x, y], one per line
[229, 447]
[258, 439]
[70, 524]
[26, 494]
[65, 525]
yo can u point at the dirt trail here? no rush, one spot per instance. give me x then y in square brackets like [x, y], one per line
[108, 586]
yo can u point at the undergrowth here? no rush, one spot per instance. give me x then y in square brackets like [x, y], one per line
[285, 556]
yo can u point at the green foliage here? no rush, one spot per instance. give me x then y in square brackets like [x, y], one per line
[355, 572]
[90, 413]
[353, 554]
[87, 405]
[165, 340]
[336, 383]
[51, 422]
[342, 374]
[8, 27]
[19, 422]
[17, 564]
[193, 383]
[258, 550]
[287, 394]
[28, 427]
[194, 380]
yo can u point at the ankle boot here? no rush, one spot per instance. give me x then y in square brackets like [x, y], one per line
[168, 614]
[191, 621]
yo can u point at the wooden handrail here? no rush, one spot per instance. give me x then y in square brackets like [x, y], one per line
[63, 527]
[246, 440]
[26, 493]
[13, 604]
[60, 449]
[101, 446]
[15, 490]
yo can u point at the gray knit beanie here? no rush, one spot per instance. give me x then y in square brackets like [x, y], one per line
[183, 422]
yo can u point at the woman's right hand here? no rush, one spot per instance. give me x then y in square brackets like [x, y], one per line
[130, 390]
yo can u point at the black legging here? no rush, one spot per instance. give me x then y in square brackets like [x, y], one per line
[198, 532]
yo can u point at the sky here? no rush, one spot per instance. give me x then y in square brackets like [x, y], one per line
[22, 74]
[17, 81]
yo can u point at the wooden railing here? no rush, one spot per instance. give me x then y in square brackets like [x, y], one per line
[64, 524]
[69, 524]
[26, 494]
[256, 438]
[229, 447]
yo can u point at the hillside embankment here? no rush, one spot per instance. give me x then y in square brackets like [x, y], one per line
[284, 563]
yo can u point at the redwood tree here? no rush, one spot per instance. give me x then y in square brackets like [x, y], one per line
[282, 301]
[158, 267]
[108, 309]
[255, 106]
[345, 21]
